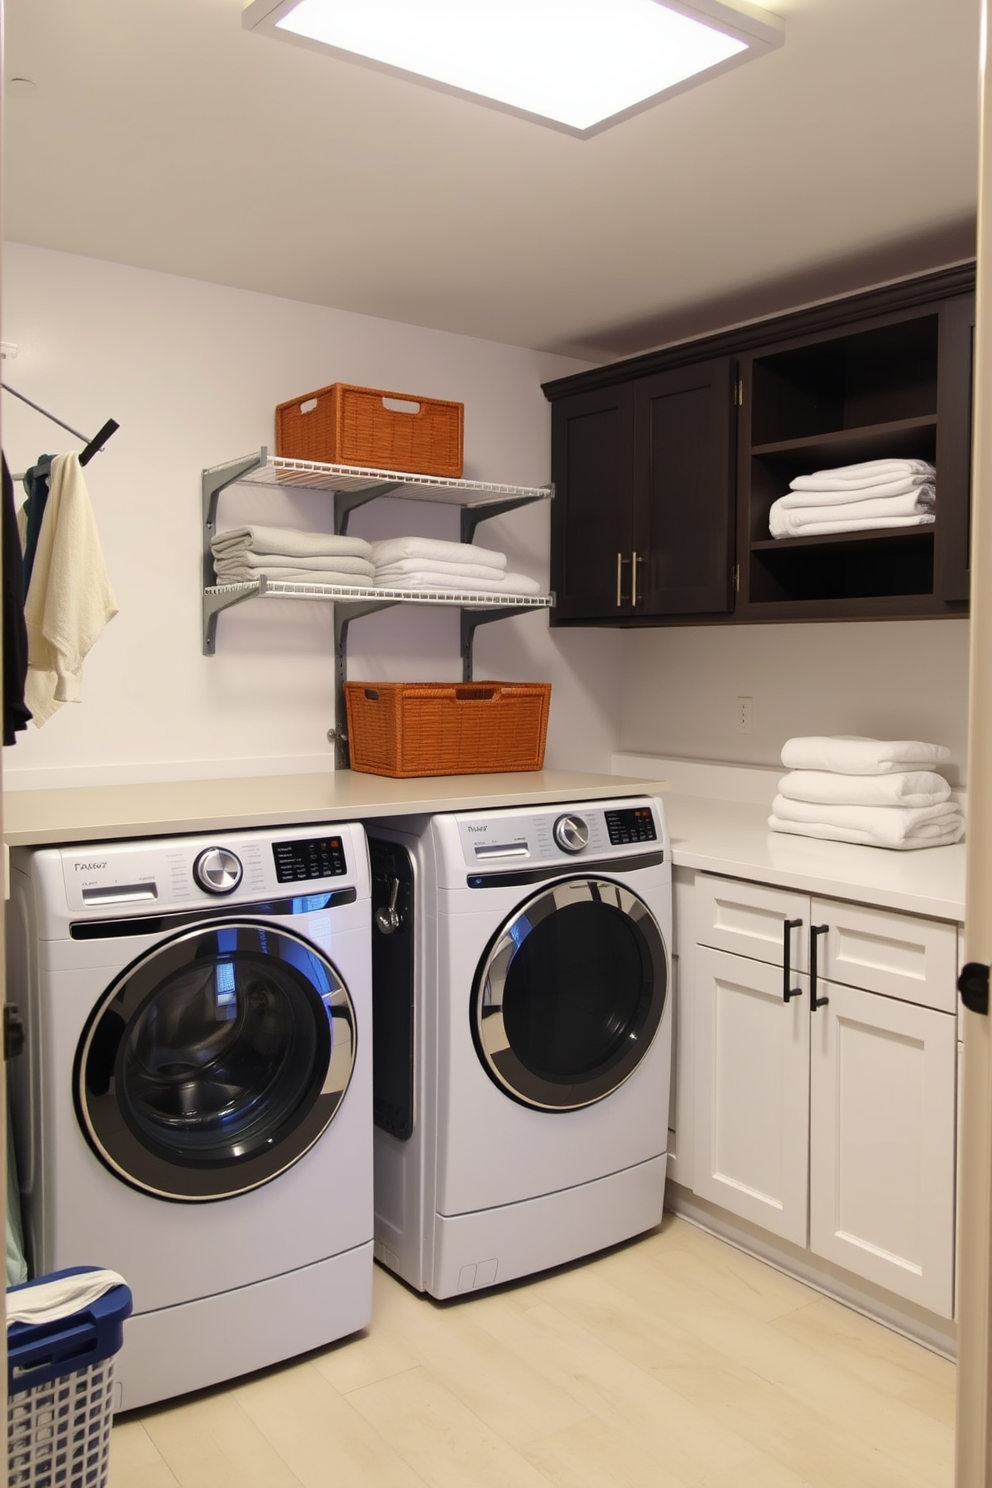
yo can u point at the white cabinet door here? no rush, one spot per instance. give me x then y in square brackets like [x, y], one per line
[881, 950]
[882, 1099]
[749, 919]
[752, 1092]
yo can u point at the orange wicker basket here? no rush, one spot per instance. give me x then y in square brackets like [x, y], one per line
[447, 728]
[344, 425]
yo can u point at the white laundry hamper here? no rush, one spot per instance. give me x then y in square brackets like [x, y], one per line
[60, 1391]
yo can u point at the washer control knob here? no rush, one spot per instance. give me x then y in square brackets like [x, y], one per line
[218, 871]
[571, 833]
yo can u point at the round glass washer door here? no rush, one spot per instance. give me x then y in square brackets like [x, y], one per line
[570, 994]
[215, 1061]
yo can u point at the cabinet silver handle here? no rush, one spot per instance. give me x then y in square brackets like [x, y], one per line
[621, 560]
[635, 559]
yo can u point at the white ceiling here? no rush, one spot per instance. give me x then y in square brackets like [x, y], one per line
[160, 133]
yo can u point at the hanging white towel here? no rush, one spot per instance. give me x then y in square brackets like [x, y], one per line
[290, 542]
[868, 473]
[49, 1301]
[902, 788]
[69, 600]
[510, 583]
[855, 755]
[390, 549]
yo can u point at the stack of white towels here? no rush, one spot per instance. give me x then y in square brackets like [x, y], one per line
[419, 563]
[876, 792]
[243, 554]
[856, 498]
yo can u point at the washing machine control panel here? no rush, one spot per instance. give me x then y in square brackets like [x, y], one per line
[217, 870]
[315, 857]
[633, 824]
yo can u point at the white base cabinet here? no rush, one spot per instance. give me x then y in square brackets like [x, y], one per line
[831, 1127]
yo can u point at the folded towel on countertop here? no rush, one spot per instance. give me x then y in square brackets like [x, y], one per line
[864, 838]
[48, 1301]
[902, 788]
[435, 565]
[868, 473]
[289, 542]
[391, 549]
[235, 574]
[913, 510]
[271, 561]
[510, 583]
[854, 755]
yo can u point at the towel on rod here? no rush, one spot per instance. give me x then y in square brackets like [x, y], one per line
[289, 542]
[874, 826]
[391, 549]
[852, 754]
[510, 583]
[69, 600]
[868, 473]
[901, 788]
[402, 566]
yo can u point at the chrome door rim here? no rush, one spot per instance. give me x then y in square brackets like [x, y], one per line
[131, 993]
[488, 1024]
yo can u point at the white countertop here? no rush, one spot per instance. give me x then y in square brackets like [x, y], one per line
[102, 813]
[733, 838]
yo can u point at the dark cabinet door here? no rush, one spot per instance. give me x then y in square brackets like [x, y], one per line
[591, 516]
[684, 483]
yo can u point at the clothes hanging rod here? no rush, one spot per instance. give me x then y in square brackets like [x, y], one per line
[93, 446]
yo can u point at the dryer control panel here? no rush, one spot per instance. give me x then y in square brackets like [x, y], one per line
[559, 834]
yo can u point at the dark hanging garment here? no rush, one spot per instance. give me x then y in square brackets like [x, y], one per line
[15, 635]
[36, 485]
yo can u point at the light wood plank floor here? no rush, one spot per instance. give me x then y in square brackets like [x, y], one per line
[672, 1362]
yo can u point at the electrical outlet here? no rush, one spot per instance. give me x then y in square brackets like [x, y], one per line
[743, 715]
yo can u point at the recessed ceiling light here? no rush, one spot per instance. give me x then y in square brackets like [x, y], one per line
[579, 65]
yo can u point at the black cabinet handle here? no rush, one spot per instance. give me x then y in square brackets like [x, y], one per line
[814, 1001]
[787, 928]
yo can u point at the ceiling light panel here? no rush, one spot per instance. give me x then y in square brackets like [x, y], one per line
[579, 65]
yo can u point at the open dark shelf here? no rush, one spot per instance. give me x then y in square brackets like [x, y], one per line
[924, 532]
[905, 439]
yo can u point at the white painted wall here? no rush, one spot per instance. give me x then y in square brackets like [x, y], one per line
[884, 679]
[192, 372]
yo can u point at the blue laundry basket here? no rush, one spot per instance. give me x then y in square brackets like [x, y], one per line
[60, 1392]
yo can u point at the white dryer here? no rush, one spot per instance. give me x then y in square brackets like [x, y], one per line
[522, 1037]
[194, 1105]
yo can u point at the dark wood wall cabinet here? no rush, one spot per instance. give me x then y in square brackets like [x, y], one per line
[665, 466]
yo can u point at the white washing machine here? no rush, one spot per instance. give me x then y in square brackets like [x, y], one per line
[194, 1104]
[522, 1037]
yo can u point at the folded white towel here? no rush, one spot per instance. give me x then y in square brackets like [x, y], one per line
[289, 542]
[864, 838]
[510, 583]
[390, 549]
[902, 788]
[49, 1301]
[849, 516]
[233, 573]
[868, 473]
[849, 495]
[887, 826]
[434, 565]
[871, 524]
[272, 561]
[855, 755]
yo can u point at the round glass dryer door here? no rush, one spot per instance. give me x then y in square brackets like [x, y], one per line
[570, 994]
[215, 1061]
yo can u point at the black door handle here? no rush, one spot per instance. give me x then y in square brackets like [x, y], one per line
[787, 928]
[814, 1001]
